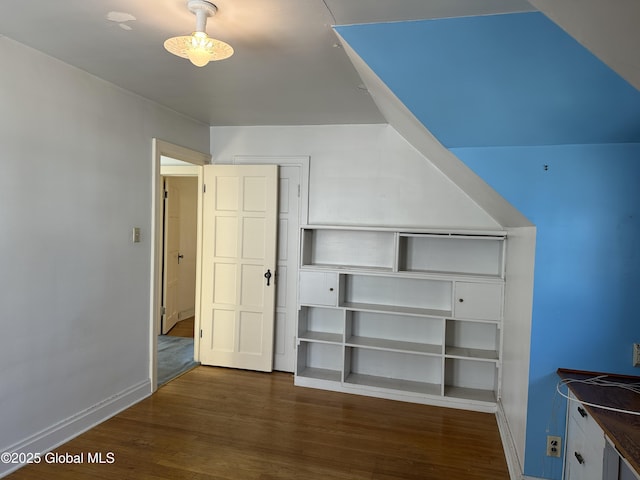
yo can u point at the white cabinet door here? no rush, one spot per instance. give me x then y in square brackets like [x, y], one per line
[480, 301]
[318, 288]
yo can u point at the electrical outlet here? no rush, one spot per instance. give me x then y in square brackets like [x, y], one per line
[554, 446]
[636, 354]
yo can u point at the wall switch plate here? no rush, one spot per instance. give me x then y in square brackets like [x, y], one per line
[554, 446]
[136, 234]
[636, 354]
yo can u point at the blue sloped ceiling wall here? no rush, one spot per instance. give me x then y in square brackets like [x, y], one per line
[557, 134]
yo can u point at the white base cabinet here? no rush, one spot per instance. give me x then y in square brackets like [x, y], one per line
[408, 315]
[589, 454]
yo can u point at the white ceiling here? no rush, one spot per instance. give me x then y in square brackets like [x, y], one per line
[288, 67]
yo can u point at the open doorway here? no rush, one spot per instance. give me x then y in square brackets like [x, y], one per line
[179, 245]
[293, 211]
[179, 162]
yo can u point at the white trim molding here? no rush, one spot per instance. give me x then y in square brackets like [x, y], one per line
[509, 446]
[63, 431]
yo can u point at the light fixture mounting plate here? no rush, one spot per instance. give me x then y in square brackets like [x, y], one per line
[196, 6]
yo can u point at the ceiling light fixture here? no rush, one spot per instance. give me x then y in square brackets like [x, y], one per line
[198, 47]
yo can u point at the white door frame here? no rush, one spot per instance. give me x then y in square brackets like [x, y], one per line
[161, 148]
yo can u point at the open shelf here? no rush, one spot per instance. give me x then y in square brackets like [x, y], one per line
[391, 331]
[372, 307]
[321, 324]
[394, 345]
[473, 340]
[456, 254]
[348, 248]
[392, 293]
[321, 361]
[393, 384]
[321, 374]
[392, 369]
[473, 394]
[470, 379]
[350, 268]
[325, 337]
[475, 353]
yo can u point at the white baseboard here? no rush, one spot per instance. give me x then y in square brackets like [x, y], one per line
[509, 446]
[61, 432]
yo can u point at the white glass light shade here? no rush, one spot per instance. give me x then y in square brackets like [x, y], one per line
[199, 48]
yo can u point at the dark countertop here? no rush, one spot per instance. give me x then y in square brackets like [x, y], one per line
[623, 429]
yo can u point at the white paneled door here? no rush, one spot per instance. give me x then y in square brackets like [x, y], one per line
[171, 254]
[240, 212]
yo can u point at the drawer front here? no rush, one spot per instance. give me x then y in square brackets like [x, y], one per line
[586, 423]
[480, 301]
[318, 288]
[585, 444]
[584, 458]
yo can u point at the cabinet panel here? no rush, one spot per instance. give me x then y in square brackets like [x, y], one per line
[481, 301]
[318, 288]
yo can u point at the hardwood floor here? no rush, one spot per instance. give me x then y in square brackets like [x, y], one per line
[214, 424]
[184, 328]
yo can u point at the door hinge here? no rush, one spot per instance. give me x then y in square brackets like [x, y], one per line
[204, 188]
[200, 333]
[163, 310]
[166, 194]
[298, 190]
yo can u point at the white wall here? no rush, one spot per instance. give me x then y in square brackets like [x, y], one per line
[188, 190]
[359, 174]
[75, 291]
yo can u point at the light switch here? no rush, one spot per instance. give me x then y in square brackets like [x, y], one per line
[136, 234]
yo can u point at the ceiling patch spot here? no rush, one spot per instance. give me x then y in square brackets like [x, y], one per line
[120, 17]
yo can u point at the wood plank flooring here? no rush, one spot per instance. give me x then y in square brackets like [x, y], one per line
[184, 328]
[223, 424]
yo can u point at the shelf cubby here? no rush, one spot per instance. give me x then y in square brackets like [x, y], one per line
[394, 332]
[451, 254]
[419, 296]
[319, 361]
[321, 324]
[343, 248]
[474, 340]
[470, 379]
[393, 370]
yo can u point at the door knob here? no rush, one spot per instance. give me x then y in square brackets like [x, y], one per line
[268, 276]
[180, 257]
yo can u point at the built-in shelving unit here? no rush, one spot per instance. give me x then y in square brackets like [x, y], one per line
[410, 315]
